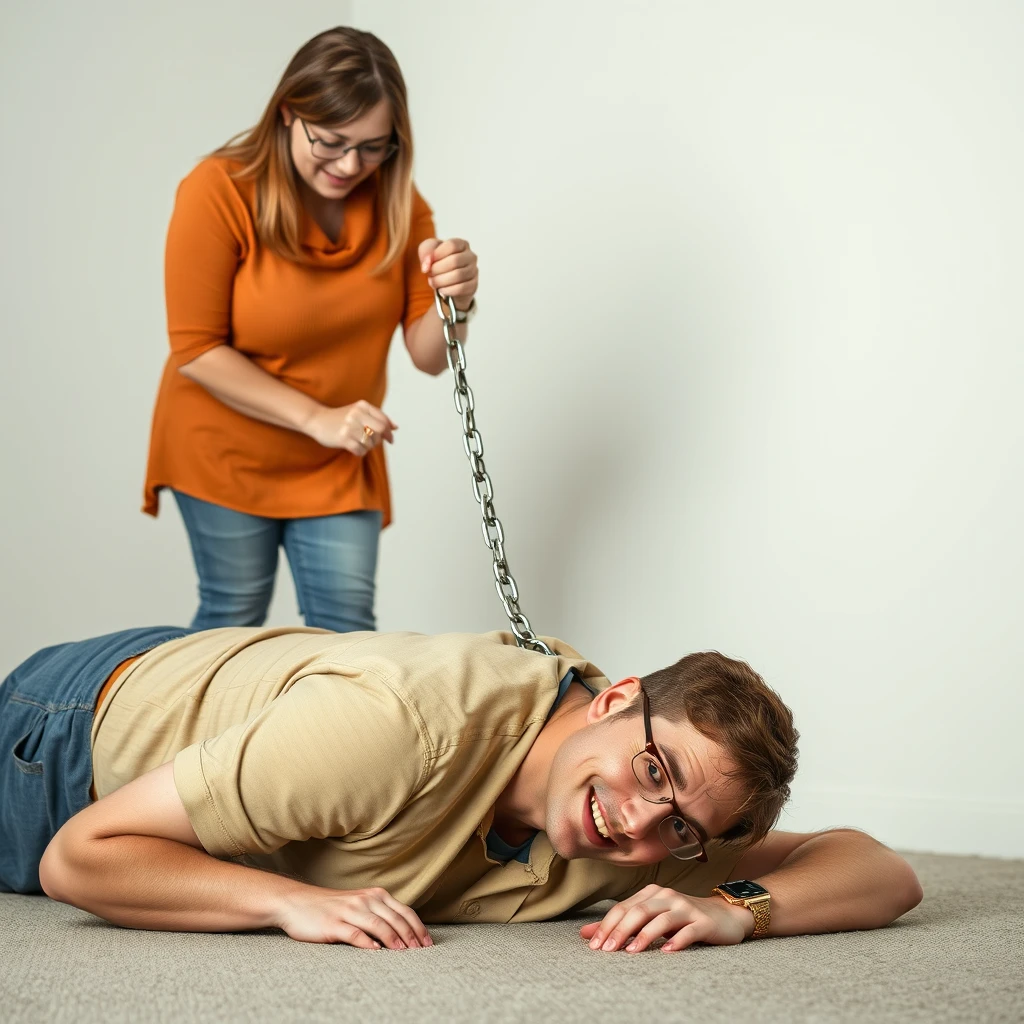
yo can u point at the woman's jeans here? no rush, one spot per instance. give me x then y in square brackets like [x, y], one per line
[333, 561]
[46, 711]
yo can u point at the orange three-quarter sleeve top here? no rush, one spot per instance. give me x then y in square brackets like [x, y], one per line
[324, 328]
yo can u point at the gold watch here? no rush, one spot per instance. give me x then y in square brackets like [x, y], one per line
[754, 897]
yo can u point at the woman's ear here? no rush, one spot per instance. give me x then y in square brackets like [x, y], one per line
[286, 115]
[612, 699]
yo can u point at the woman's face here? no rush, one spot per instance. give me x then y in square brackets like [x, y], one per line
[334, 176]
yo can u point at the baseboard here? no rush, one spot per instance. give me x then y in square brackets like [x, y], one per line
[912, 822]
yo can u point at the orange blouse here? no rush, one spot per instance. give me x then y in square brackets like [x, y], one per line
[323, 328]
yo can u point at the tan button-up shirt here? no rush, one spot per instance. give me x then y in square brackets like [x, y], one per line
[359, 759]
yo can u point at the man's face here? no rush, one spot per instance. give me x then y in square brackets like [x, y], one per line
[592, 788]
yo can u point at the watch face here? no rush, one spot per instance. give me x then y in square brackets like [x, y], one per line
[743, 890]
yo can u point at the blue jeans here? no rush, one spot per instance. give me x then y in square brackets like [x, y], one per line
[46, 710]
[333, 561]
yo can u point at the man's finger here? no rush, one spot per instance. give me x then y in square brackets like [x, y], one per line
[410, 915]
[630, 924]
[399, 921]
[377, 925]
[353, 936]
[607, 923]
[657, 928]
[684, 937]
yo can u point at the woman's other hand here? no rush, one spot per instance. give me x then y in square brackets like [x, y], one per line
[358, 428]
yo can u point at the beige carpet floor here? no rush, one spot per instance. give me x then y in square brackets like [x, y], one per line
[957, 957]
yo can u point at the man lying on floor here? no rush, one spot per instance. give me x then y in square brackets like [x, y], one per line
[350, 787]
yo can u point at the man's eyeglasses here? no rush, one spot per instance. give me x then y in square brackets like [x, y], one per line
[369, 153]
[676, 833]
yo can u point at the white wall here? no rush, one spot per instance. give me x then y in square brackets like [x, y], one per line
[107, 105]
[747, 365]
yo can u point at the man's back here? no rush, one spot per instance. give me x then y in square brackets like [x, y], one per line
[345, 759]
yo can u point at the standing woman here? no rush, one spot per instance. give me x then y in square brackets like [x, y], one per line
[293, 253]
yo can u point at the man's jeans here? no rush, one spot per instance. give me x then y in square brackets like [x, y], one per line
[46, 712]
[333, 561]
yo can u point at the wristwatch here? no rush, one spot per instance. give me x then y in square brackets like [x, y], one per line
[754, 897]
[463, 316]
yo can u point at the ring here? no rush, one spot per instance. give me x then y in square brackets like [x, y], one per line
[368, 433]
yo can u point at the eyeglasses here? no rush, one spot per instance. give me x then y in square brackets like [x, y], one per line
[676, 833]
[369, 153]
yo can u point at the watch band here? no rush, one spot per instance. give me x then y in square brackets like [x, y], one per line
[759, 906]
[762, 911]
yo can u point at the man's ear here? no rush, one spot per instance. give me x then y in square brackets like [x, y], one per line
[613, 699]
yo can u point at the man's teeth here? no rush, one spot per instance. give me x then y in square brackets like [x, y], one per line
[599, 818]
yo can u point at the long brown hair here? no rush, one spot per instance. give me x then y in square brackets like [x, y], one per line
[337, 76]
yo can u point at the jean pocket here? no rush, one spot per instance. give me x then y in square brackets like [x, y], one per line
[27, 748]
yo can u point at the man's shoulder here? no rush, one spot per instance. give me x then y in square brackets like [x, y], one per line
[472, 683]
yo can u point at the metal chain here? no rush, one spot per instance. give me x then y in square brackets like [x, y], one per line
[483, 491]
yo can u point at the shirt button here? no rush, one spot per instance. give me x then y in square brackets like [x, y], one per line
[471, 909]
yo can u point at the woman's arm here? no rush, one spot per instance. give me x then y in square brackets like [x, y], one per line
[240, 384]
[133, 858]
[451, 266]
[424, 339]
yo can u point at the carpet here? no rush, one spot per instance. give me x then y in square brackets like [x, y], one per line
[958, 957]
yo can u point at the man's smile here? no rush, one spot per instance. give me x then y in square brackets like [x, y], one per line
[595, 824]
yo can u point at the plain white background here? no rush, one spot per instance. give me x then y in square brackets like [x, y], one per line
[748, 363]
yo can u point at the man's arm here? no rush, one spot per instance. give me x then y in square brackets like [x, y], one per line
[839, 880]
[133, 858]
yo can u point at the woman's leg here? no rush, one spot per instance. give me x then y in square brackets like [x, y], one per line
[236, 560]
[334, 564]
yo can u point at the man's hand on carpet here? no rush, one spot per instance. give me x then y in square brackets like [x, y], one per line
[368, 918]
[656, 912]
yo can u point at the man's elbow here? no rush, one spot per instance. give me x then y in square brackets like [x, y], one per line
[54, 872]
[911, 892]
[892, 880]
[899, 883]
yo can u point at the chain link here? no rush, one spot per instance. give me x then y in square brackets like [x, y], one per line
[483, 490]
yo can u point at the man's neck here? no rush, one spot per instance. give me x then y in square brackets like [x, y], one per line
[520, 809]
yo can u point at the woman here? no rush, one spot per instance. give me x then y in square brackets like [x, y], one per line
[293, 253]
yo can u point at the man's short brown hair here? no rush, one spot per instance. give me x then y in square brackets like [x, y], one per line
[730, 703]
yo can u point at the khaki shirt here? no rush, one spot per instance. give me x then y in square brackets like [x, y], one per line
[357, 759]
